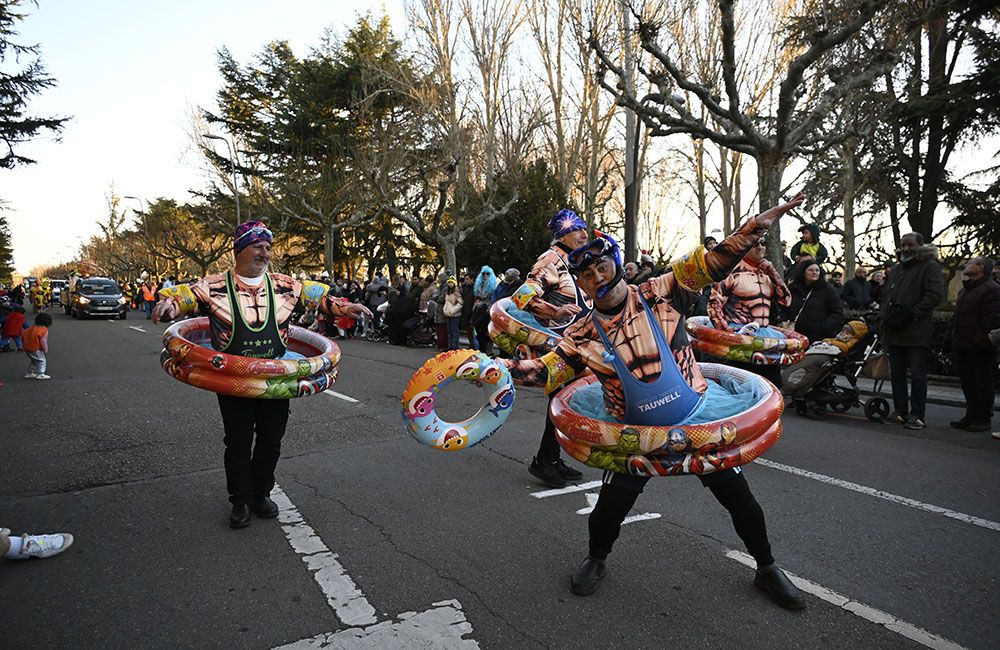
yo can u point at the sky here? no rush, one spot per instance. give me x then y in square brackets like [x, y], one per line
[130, 74]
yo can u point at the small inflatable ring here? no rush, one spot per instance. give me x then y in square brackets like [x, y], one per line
[758, 350]
[670, 450]
[425, 384]
[517, 338]
[186, 358]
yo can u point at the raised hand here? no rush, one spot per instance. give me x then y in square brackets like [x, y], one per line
[766, 218]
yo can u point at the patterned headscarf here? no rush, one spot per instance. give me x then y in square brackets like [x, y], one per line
[565, 222]
[249, 233]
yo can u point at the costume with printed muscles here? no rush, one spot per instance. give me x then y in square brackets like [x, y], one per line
[551, 296]
[249, 311]
[633, 338]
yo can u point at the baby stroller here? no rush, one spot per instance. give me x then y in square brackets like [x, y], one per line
[420, 331]
[812, 385]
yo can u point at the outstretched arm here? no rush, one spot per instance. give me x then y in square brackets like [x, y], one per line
[551, 370]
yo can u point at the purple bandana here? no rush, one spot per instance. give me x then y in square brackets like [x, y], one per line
[566, 222]
[249, 233]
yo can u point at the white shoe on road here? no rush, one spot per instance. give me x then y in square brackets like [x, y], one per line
[30, 375]
[5, 531]
[995, 435]
[43, 545]
[42, 376]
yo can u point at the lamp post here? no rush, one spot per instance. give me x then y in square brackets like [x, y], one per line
[232, 159]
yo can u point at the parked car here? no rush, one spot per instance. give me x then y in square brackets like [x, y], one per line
[96, 297]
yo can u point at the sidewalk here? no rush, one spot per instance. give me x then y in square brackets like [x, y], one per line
[943, 394]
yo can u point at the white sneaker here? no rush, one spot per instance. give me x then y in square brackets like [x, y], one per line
[30, 375]
[995, 435]
[5, 531]
[43, 545]
[42, 376]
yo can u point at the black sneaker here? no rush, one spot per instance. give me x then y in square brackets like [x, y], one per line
[547, 473]
[588, 577]
[568, 472]
[265, 508]
[959, 424]
[776, 584]
[913, 422]
[978, 427]
[240, 516]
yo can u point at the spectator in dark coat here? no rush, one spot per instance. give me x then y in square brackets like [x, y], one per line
[511, 281]
[857, 292]
[809, 245]
[977, 312]
[468, 302]
[913, 288]
[816, 308]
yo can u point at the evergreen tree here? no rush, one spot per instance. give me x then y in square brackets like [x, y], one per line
[19, 85]
[6, 252]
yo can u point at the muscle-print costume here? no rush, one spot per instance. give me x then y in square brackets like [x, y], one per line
[550, 286]
[745, 296]
[216, 294]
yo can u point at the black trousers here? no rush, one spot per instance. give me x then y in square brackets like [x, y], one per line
[548, 448]
[620, 491]
[907, 399]
[249, 466]
[975, 369]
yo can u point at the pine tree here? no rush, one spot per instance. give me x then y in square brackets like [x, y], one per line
[6, 253]
[19, 85]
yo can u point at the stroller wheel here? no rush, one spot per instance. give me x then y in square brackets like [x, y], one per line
[800, 408]
[877, 409]
[840, 407]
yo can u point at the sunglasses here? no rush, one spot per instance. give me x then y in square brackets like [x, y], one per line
[589, 254]
[256, 230]
[762, 244]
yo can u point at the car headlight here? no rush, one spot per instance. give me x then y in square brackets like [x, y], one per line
[84, 300]
[122, 300]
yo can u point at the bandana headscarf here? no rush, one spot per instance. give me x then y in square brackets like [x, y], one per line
[249, 233]
[565, 222]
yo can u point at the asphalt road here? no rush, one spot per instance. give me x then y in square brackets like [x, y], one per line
[383, 542]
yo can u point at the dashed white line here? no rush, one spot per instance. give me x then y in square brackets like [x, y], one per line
[138, 329]
[346, 398]
[877, 616]
[895, 498]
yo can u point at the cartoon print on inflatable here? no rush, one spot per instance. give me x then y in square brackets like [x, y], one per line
[421, 393]
[758, 350]
[188, 357]
[645, 450]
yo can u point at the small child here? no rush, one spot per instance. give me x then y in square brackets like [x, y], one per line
[36, 345]
[13, 325]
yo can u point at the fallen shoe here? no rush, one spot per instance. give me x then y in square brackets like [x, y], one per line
[775, 583]
[588, 577]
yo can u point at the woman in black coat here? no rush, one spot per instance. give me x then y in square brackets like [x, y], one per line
[816, 308]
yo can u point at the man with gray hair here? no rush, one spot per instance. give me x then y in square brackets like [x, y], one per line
[913, 288]
[977, 313]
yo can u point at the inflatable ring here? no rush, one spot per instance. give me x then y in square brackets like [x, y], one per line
[516, 338]
[425, 384]
[185, 357]
[759, 350]
[670, 450]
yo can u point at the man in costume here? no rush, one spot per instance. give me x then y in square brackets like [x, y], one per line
[249, 311]
[633, 341]
[551, 295]
[742, 302]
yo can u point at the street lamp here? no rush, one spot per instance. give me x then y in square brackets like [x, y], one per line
[142, 204]
[232, 158]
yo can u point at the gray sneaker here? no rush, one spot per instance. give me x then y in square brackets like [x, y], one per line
[43, 545]
[913, 422]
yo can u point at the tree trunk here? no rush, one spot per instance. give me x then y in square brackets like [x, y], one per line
[769, 171]
[631, 144]
[922, 221]
[850, 251]
[448, 251]
[725, 191]
[699, 187]
[329, 244]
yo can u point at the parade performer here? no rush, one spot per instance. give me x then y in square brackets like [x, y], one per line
[249, 311]
[633, 341]
[741, 303]
[550, 294]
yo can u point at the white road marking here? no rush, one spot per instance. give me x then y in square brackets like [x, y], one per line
[895, 498]
[566, 490]
[440, 627]
[592, 501]
[346, 398]
[133, 327]
[877, 616]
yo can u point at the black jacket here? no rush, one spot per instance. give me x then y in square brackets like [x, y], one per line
[857, 293]
[917, 287]
[977, 313]
[816, 309]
